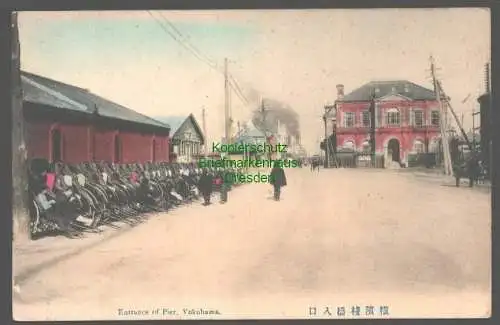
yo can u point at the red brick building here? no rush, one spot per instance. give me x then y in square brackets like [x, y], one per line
[71, 124]
[407, 119]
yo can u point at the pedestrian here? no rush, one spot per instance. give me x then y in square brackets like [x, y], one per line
[277, 178]
[226, 184]
[205, 186]
[220, 185]
[315, 164]
[473, 169]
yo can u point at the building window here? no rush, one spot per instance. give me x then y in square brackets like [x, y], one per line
[435, 118]
[434, 145]
[365, 116]
[350, 145]
[418, 146]
[418, 118]
[393, 117]
[366, 147]
[349, 119]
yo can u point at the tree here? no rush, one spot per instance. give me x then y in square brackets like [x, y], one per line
[20, 211]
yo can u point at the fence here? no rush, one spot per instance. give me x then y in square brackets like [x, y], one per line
[355, 160]
[427, 160]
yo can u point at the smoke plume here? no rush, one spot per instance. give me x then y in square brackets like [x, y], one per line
[274, 111]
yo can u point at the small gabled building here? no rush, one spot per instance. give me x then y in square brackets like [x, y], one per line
[71, 124]
[187, 137]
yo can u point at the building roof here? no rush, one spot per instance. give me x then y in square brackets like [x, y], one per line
[255, 133]
[250, 136]
[45, 91]
[384, 88]
[39, 93]
[176, 122]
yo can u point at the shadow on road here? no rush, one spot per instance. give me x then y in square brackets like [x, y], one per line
[29, 272]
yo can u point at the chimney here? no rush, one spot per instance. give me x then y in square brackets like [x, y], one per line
[340, 92]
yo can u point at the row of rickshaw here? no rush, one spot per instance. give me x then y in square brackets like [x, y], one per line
[74, 199]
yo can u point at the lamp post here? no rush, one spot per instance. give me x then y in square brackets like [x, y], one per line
[326, 140]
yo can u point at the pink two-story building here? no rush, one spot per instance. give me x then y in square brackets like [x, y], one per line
[407, 119]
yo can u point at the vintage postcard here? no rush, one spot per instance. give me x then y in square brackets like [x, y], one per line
[252, 164]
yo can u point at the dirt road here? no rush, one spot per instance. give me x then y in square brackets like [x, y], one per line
[406, 246]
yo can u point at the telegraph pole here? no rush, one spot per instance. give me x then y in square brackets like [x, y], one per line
[20, 211]
[327, 160]
[263, 112]
[226, 103]
[264, 125]
[443, 122]
[448, 105]
[328, 109]
[372, 129]
[474, 128]
[203, 115]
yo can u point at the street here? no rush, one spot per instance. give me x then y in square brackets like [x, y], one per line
[340, 237]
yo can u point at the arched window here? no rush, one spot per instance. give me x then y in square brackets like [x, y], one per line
[366, 147]
[350, 145]
[434, 145]
[57, 145]
[418, 146]
[393, 117]
[118, 149]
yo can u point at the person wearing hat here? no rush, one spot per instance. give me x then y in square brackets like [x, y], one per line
[205, 186]
[277, 178]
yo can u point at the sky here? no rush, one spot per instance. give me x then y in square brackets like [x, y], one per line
[293, 56]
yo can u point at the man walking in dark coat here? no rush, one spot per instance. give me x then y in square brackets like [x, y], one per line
[277, 179]
[473, 169]
[205, 186]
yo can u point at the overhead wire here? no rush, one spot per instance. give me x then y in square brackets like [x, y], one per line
[238, 90]
[184, 41]
[187, 42]
[197, 53]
